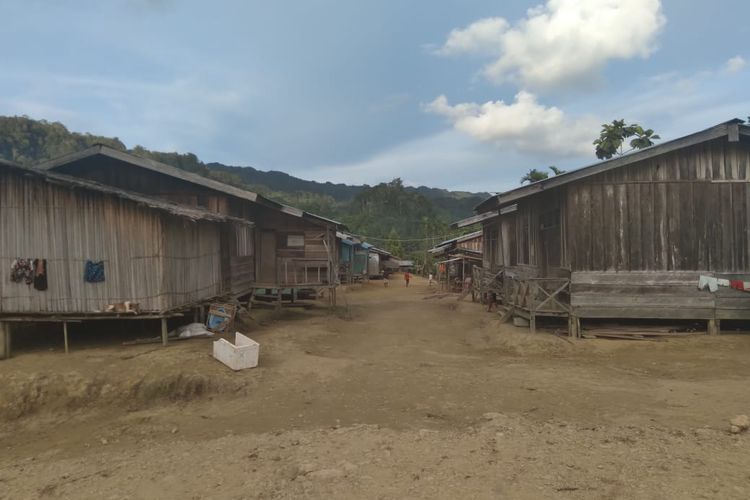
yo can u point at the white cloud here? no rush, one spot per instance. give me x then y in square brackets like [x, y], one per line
[561, 42]
[481, 37]
[524, 125]
[735, 64]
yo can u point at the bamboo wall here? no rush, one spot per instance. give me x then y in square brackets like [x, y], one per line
[148, 254]
[192, 262]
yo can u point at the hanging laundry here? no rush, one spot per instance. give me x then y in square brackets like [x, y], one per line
[740, 285]
[94, 271]
[713, 284]
[708, 281]
[40, 274]
[21, 270]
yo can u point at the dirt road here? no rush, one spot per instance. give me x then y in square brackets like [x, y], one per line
[394, 396]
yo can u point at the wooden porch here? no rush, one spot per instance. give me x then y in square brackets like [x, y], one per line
[527, 297]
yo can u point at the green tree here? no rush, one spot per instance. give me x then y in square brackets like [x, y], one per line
[556, 170]
[535, 175]
[613, 136]
[393, 243]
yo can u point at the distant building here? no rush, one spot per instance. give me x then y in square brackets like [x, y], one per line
[456, 259]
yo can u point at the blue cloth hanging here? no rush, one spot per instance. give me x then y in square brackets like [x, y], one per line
[94, 272]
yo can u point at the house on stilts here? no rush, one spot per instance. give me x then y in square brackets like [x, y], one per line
[70, 248]
[628, 237]
[287, 248]
[353, 258]
[456, 259]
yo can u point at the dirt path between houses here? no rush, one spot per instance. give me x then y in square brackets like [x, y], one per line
[395, 395]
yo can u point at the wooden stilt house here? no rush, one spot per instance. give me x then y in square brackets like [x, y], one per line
[629, 237]
[353, 257]
[456, 259]
[287, 248]
[72, 247]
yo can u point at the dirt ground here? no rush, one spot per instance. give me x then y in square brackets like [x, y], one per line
[393, 395]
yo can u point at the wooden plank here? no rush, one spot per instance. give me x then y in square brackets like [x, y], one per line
[638, 277]
[643, 312]
[661, 229]
[584, 227]
[727, 228]
[622, 223]
[688, 235]
[598, 234]
[673, 227]
[65, 337]
[164, 332]
[740, 228]
[5, 340]
[648, 259]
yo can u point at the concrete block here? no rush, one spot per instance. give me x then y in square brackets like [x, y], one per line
[240, 355]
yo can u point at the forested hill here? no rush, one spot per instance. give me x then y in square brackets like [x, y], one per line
[386, 212]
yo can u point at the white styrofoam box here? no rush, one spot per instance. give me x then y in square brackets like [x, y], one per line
[240, 355]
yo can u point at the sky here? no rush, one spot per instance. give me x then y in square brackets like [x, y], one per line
[457, 94]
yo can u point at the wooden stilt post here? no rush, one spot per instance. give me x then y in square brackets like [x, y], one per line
[279, 299]
[164, 332]
[714, 326]
[5, 340]
[65, 337]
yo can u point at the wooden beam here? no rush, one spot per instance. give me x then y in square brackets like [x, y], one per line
[65, 336]
[714, 327]
[164, 332]
[5, 340]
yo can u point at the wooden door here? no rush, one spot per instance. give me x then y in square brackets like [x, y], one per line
[267, 260]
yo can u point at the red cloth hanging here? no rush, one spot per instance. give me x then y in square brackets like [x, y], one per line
[737, 284]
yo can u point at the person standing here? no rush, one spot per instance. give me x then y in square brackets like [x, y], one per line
[407, 278]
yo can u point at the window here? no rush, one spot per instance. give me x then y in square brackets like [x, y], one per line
[295, 240]
[244, 238]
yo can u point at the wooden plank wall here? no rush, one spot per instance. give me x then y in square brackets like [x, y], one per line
[472, 244]
[674, 212]
[68, 227]
[133, 178]
[640, 236]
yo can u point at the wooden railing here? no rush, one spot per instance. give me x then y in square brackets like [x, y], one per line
[538, 297]
[303, 272]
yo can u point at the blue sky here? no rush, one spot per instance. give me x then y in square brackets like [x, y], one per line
[454, 94]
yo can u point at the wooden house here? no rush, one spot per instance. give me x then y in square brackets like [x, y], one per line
[380, 261]
[628, 237]
[287, 248]
[161, 256]
[456, 259]
[353, 258]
